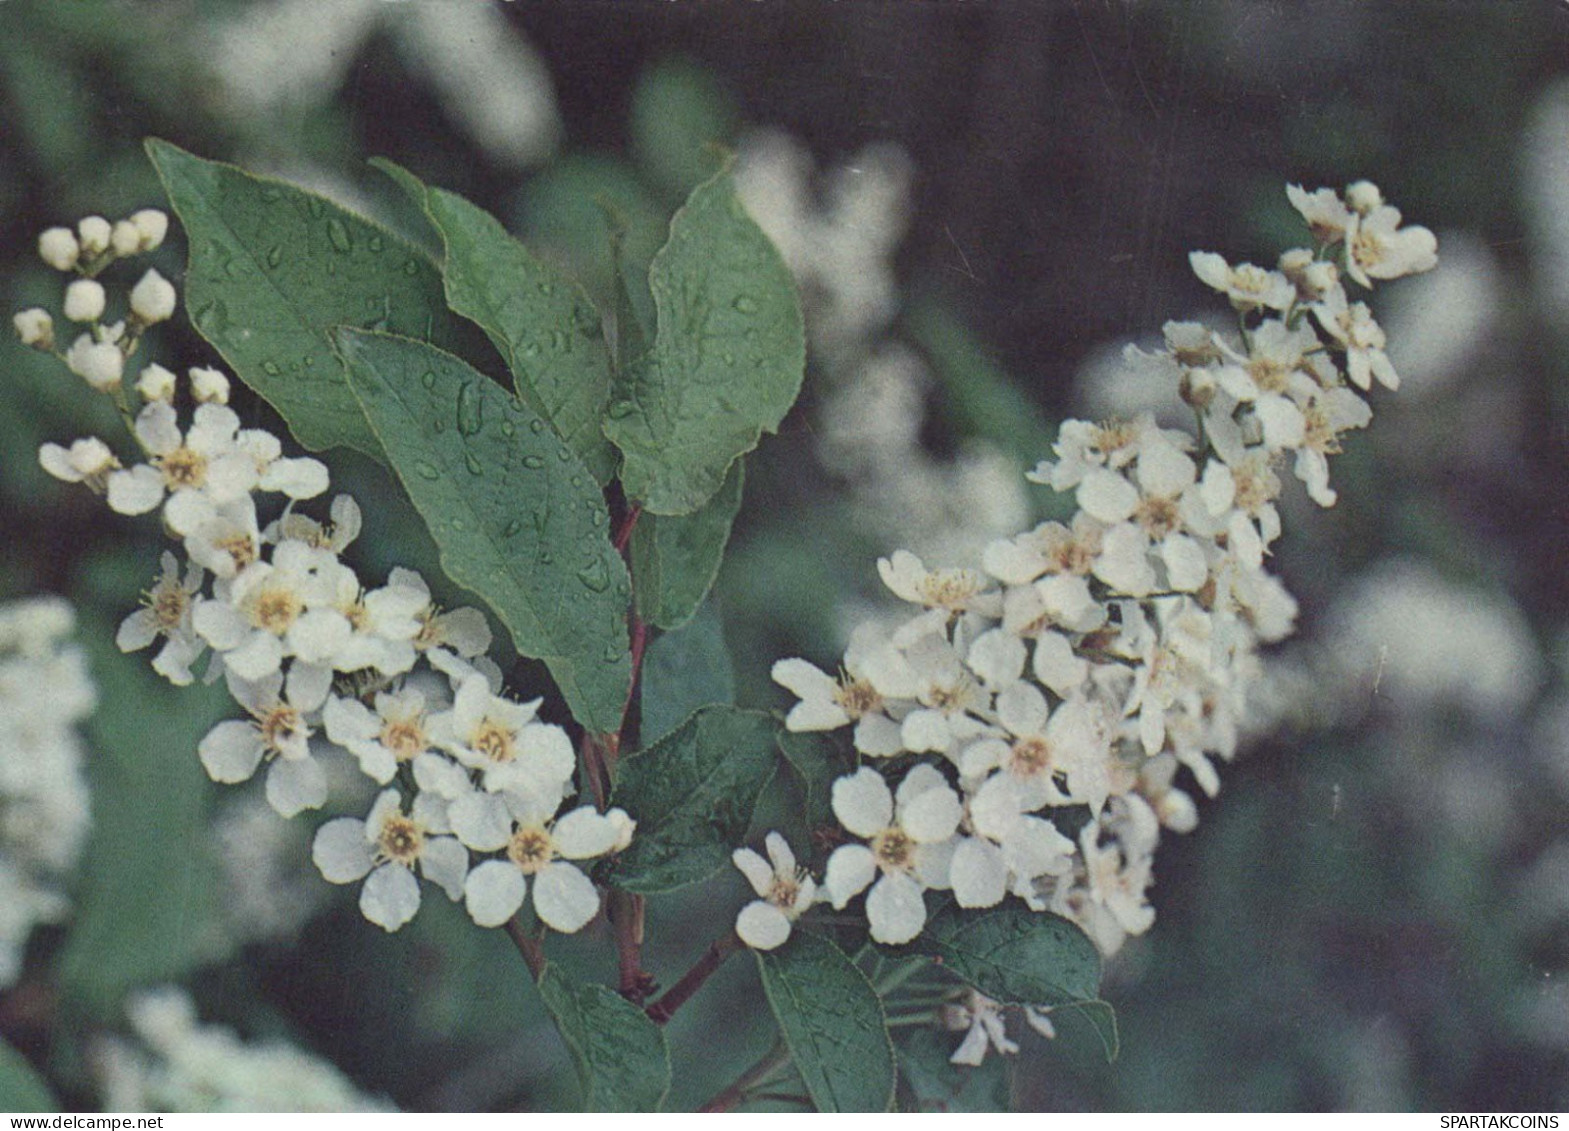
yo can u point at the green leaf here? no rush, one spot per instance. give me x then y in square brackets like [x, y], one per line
[519, 520]
[675, 558]
[544, 325]
[1013, 954]
[692, 793]
[833, 1023]
[620, 1054]
[684, 670]
[273, 269]
[727, 358]
[818, 762]
[147, 904]
[937, 1084]
[21, 1088]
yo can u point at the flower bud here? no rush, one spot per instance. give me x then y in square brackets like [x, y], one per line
[1197, 387]
[35, 328]
[96, 233]
[153, 226]
[1321, 278]
[84, 300]
[209, 386]
[125, 239]
[156, 383]
[58, 248]
[100, 364]
[87, 460]
[1363, 197]
[152, 299]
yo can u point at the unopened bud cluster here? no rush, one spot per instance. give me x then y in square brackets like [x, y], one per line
[100, 352]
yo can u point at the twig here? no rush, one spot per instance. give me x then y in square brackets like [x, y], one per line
[692, 981]
[626, 914]
[528, 946]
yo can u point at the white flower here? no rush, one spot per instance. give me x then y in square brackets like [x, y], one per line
[88, 460]
[275, 609]
[1248, 287]
[58, 248]
[1008, 850]
[907, 834]
[953, 590]
[166, 613]
[204, 468]
[1378, 248]
[226, 541]
[394, 733]
[784, 892]
[1326, 214]
[1363, 339]
[1046, 745]
[983, 1018]
[100, 364]
[153, 298]
[385, 847]
[874, 673]
[500, 738]
[950, 697]
[84, 300]
[279, 731]
[34, 327]
[539, 847]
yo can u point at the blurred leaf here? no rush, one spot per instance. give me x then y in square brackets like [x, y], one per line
[684, 670]
[1013, 954]
[620, 1054]
[938, 1084]
[832, 1021]
[569, 207]
[546, 329]
[147, 905]
[681, 118]
[692, 793]
[519, 520]
[979, 396]
[273, 269]
[727, 360]
[675, 558]
[21, 1088]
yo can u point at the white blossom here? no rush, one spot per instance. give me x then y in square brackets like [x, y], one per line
[784, 892]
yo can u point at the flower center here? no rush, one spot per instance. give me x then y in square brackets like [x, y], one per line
[1159, 517]
[893, 850]
[279, 727]
[857, 697]
[401, 840]
[183, 468]
[405, 738]
[1030, 757]
[787, 889]
[494, 741]
[950, 589]
[530, 850]
[276, 610]
[1320, 434]
[1114, 436]
[240, 547]
[169, 603]
[1268, 374]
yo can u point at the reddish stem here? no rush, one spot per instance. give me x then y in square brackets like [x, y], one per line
[692, 981]
[623, 534]
[528, 946]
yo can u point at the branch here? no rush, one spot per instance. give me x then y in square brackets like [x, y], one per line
[528, 946]
[692, 981]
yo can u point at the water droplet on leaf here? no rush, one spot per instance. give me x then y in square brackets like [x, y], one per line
[533, 463]
[427, 471]
[745, 304]
[595, 576]
[471, 409]
[428, 380]
[471, 461]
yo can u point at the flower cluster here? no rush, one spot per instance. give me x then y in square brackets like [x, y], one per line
[324, 665]
[44, 815]
[1024, 730]
[178, 1064]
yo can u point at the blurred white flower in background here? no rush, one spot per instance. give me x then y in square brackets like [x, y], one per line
[291, 53]
[1422, 642]
[178, 1064]
[45, 691]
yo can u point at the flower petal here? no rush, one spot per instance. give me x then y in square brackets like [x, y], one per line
[390, 896]
[895, 909]
[493, 893]
[564, 897]
[762, 926]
